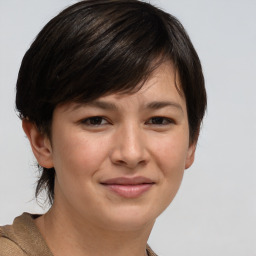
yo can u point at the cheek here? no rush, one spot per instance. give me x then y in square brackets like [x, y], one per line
[77, 160]
[171, 152]
[80, 155]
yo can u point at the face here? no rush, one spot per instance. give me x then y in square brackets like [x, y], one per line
[120, 159]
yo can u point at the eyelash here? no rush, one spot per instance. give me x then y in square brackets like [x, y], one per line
[96, 121]
[167, 121]
[95, 118]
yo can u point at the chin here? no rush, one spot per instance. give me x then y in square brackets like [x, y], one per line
[130, 219]
[131, 224]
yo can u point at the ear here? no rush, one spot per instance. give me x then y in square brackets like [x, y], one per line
[190, 155]
[39, 143]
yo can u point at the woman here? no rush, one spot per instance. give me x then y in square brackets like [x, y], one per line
[111, 96]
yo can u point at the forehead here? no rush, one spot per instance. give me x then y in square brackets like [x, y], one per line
[162, 85]
[162, 88]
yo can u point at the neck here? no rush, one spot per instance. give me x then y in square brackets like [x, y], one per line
[69, 234]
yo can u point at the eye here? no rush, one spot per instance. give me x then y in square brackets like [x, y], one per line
[95, 121]
[158, 120]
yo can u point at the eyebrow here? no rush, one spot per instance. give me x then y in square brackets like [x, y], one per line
[162, 104]
[102, 104]
[154, 105]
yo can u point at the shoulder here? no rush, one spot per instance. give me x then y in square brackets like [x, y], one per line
[8, 247]
[22, 238]
[150, 252]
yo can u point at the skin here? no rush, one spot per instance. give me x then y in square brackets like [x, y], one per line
[142, 134]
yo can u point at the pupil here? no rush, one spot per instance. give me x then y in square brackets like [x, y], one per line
[157, 120]
[96, 120]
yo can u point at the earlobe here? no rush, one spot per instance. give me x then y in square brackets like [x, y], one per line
[39, 143]
[190, 155]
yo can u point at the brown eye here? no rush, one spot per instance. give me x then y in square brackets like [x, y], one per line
[95, 121]
[160, 121]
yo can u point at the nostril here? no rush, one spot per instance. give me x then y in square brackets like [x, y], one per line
[129, 155]
[142, 162]
[130, 164]
[121, 162]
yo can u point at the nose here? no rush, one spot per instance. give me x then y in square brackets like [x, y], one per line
[129, 147]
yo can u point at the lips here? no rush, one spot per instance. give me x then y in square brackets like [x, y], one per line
[128, 187]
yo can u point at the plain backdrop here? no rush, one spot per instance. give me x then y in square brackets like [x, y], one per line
[214, 212]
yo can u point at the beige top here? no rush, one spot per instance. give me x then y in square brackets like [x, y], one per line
[23, 238]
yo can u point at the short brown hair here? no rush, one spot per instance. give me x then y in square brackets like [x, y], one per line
[94, 48]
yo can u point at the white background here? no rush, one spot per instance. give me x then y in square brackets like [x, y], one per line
[214, 212]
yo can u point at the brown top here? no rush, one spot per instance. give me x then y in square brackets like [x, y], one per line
[23, 238]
